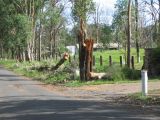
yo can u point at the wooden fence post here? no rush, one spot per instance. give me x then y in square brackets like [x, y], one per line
[132, 62]
[101, 61]
[121, 61]
[110, 60]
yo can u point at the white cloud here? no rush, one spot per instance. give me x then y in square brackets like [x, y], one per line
[107, 7]
[106, 4]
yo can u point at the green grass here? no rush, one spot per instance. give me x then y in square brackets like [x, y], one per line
[63, 76]
[78, 83]
[23, 68]
[139, 99]
[115, 58]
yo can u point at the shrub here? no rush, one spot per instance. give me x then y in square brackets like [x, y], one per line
[131, 74]
[115, 73]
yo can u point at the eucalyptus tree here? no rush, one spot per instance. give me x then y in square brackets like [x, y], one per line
[136, 30]
[129, 35]
[14, 28]
[151, 8]
[82, 9]
[119, 23]
[54, 22]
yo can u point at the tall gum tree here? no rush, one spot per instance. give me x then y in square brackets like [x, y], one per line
[129, 35]
[136, 30]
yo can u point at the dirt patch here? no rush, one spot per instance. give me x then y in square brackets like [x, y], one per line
[101, 92]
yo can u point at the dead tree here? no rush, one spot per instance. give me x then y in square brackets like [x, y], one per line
[88, 58]
[52, 68]
[85, 52]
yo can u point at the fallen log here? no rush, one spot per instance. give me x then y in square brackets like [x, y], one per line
[52, 68]
[94, 75]
[40, 68]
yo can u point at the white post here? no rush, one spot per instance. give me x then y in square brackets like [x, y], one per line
[144, 78]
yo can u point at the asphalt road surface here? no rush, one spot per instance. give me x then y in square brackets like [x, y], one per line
[22, 99]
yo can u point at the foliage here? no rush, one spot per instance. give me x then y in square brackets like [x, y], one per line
[106, 34]
[82, 8]
[139, 99]
[131, 74]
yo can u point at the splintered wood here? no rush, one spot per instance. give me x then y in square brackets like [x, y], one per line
[85, 53]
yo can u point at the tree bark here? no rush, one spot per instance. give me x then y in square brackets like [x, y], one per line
[88, 58]
[129, 36]
[39, 41]
[65, 57]
[85, 53]
[136, 30]
[159, 25]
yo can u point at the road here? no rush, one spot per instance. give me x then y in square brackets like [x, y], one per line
[22, 99]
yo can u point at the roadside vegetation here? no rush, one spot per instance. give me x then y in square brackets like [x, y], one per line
[66, 74]
[138, 99]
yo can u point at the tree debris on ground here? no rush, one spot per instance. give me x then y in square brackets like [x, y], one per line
[52, 68]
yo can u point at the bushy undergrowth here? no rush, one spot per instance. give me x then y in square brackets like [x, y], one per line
[66, 73]
[117, 73]
[63, 74]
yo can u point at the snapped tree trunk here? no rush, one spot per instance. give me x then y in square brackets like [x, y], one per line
[88, 58]
[85, 53]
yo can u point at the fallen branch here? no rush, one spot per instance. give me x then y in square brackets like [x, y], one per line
[52, 68]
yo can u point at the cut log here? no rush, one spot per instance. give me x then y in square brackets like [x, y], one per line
[98, 75]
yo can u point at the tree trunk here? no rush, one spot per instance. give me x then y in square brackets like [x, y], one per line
[12, 53]
[159, 25]
[2, 51]
[50, 45]
[136, 30]
[39, 42]
[129, 35]
[88, 58]
[54, 43]
[82, 53]
[85, 53]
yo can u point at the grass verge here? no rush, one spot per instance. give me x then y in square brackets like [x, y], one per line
[139, 99]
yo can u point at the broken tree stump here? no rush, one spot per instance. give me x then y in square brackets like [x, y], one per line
[88, 58]
[85, 52]
[62, 60]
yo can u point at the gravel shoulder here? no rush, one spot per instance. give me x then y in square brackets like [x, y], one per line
[104, 91]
